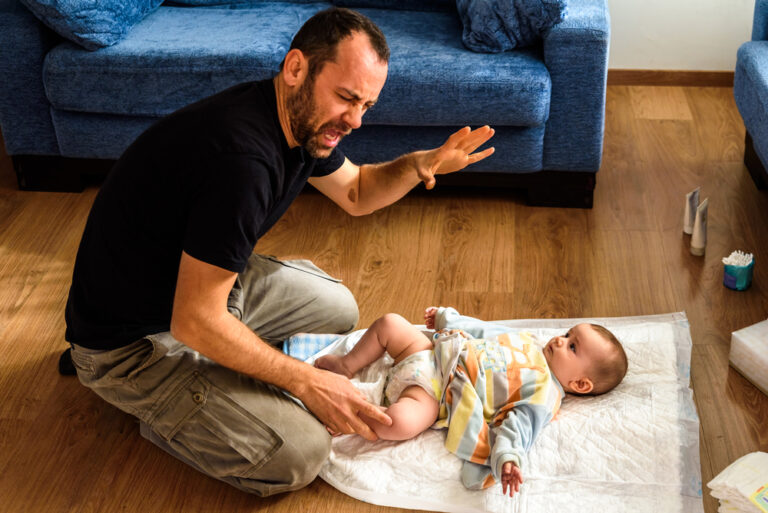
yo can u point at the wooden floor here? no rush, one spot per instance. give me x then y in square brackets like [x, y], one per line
[63, 450]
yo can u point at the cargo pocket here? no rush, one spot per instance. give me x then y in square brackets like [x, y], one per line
[202, 421]
[151, 351]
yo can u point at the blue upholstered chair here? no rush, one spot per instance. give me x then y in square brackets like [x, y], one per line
[750, 89]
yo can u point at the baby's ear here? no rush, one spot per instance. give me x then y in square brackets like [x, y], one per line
[581, 386]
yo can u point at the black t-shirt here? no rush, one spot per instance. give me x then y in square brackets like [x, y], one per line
[209, 179]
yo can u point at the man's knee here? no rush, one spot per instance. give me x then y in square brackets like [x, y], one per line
[305, 458]
[280, 299]
[342, 311]
[295, 465]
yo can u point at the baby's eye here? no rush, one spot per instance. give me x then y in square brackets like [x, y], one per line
[572, 347]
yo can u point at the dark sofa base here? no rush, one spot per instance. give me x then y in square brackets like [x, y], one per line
[569, 189]
[754, 164]
[572, 189]
[58, 174]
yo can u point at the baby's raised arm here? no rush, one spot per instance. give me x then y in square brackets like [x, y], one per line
[449, 318]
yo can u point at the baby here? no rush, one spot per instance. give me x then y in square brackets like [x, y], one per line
[493, 389]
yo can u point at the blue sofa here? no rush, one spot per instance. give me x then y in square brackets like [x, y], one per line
[65, 110]
[750, 89]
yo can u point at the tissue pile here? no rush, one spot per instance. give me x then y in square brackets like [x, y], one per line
[743, 485]
[738, 258]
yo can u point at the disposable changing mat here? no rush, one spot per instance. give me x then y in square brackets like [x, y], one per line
[633, 449]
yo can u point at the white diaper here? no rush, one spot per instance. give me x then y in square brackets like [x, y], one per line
[417, 369]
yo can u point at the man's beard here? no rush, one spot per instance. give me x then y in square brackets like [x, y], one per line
[301, 113]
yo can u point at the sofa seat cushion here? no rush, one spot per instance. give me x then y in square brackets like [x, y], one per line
[750, 91]
[518, 149]
[178, 55]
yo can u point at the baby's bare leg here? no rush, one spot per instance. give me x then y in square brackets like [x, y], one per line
[390, 333]
[414, 411]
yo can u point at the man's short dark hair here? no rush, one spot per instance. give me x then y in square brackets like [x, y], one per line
[319, 37]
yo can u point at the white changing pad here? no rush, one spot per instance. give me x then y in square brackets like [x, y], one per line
[633, 449]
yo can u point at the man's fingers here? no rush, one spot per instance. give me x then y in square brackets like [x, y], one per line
[477, 157]
[458, 136]
[351, 426]
[376, 413]
[476, 138]
[364, 430]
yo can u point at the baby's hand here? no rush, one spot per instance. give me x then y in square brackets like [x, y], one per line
[511, 478]
[429, 317]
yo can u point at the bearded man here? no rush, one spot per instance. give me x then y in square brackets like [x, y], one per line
[172, 317]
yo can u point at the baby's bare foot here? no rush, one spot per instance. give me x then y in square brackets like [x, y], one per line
[333, 363]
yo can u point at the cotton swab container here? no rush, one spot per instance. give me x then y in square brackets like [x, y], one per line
[737, 271]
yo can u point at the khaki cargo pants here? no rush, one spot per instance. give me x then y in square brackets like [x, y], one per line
[227, 425]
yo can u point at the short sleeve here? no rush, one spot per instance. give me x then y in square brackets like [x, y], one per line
[326, 166]
[227, 211]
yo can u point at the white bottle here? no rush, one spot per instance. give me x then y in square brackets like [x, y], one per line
[699, 237]
[691, 204]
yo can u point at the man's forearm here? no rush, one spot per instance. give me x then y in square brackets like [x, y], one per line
[227, 341]
[385, 183]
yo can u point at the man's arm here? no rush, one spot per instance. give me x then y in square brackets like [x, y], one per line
[201, 320]
[360, 190]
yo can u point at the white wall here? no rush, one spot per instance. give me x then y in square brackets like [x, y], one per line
[700, 35]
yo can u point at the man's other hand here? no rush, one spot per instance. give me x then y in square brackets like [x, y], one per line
[336, 402]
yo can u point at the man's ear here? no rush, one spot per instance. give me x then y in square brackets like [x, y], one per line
[294, 68]
[581, 386]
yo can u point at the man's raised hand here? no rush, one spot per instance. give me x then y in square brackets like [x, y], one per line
[454, 155]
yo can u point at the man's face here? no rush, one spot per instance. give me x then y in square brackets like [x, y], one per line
[331, 104]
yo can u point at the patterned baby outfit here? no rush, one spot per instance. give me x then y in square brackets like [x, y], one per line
[498, 393]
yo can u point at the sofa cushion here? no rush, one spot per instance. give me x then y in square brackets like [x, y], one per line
[179, 55]
[518, 148]
[92, 24]
[750, 90]
[408, 5]
[493, 26]
[230, 3]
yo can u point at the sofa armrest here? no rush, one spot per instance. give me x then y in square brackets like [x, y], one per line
[760, 21]
[25, 117]
[576, 55]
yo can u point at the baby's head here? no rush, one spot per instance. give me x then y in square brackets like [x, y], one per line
[588, 359]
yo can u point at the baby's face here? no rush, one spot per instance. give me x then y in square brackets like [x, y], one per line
[570, 356]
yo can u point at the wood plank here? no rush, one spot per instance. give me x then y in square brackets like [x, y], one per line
[651, 77]
[660, 103]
